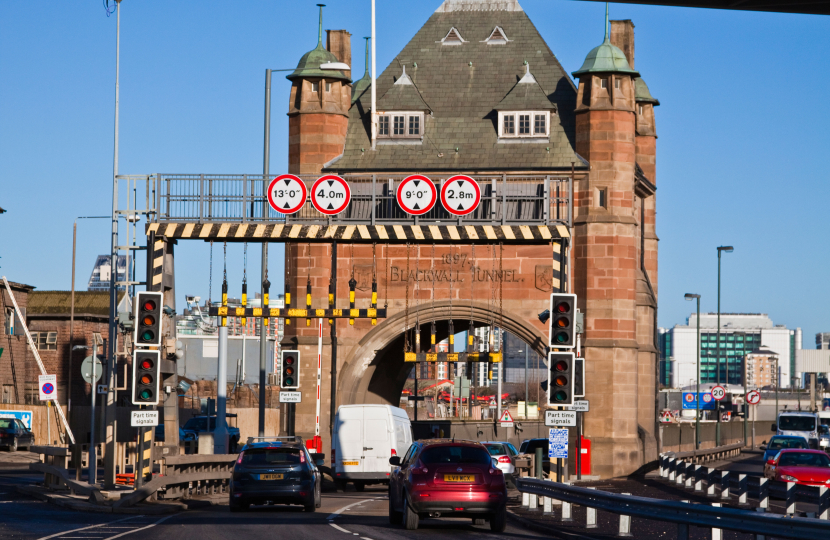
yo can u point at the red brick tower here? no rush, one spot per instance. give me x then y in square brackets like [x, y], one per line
[318, 109]
[606, 244]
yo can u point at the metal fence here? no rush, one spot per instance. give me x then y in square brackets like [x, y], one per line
[505, 200]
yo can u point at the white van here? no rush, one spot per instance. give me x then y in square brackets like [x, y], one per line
[802, 424]
[365, 437]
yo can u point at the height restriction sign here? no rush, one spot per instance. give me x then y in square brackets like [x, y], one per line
[286, 194]
[460, 195]
[416, 195]
[330, 194]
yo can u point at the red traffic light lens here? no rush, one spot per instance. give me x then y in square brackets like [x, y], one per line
[146, 364]
[148, 305]
[561, 381]
[562, 322]
[561, 366]
[148, 320]
[289, 360]
[563, 307]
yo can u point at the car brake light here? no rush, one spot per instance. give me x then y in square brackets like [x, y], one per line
[239, 461]
[302, 456]
[504, 459]
[458, 509]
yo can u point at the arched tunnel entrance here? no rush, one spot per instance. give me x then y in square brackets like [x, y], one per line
[375, 371]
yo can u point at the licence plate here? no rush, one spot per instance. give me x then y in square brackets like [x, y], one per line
[271, 476]
[347, 463]
[459, 478]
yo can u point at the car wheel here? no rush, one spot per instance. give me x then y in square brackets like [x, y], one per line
[479, 521]
[318, 497]
[498, 521]
[411, 518]
[395, 517]
[359, 486]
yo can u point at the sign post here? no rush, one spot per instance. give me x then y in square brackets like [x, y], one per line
[753, 398]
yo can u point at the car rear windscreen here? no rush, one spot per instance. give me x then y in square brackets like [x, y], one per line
[495, 449]
[455, 454]
[778, 443]
[271, 456]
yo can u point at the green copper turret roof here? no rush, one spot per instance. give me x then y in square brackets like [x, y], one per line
[366, 81]
[641, 93]
[605, 59]
[309, 65]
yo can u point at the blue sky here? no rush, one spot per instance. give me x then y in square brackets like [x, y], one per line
[741, 126]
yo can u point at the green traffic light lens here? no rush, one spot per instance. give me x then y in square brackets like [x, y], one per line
[560, 396]
[561, 337]
[145, 394]
[289, 382]
[147, 335]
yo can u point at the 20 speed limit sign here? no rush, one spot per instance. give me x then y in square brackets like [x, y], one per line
[330, 194]
[287, 194]
[718, 393]
[416, 195]
[460, 195]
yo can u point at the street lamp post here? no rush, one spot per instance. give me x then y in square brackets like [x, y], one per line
[721, 249]
[690, 296]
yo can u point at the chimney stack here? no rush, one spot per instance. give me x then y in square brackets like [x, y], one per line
[339, 43]
[622, 37]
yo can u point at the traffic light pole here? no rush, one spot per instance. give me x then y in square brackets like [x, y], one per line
[220, 435]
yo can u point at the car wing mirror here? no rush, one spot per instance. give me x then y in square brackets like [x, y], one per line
[395, 461]
[775, 427]
[494, 462]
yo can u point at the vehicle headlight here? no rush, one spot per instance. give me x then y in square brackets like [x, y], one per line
[788, 478]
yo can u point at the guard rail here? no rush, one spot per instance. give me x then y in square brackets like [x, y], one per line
[682, 513]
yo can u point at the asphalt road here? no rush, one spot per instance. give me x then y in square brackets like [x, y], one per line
[342, 516]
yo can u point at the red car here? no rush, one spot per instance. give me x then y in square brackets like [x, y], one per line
[442, 477]
[806, 467]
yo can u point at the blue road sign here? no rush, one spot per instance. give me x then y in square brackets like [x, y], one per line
[707, 402]
[23, 416]
[558, 443]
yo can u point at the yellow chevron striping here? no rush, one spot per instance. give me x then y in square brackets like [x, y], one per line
[563, 231]
[157, 279]
[158, 261]
[381, 230]
[435, 232]
[399, 232]
[557, 247]
[347, 234]
[277, 232]
[159, 244]
[491, 234]
[171, 229]
[453, 232]
[331, 230]
[259, 231]
[526, 232]
[312, 231]
[153, 228]
[205, 232]
[545, 232]
[471, 232]
[364, 232]
[188, 230]
[241, 231]
[223, 230]
[417, 232]
[507, 230]
[295, 231]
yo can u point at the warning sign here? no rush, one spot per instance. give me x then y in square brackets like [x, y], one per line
[506, 419]
[48, 387]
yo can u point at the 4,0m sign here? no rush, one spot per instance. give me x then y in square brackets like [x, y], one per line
[330, 195]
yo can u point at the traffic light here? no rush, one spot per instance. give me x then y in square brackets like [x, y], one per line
[146, 377]
[579, 377]
[562, 322]
[148, 319]
[561, 378]
[290, 370]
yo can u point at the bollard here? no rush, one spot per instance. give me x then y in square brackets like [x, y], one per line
[591, 516]
[625, 522]
[790, 499]
[566, 511]
[681, 473]
[690, 475]
[682, 531]
[724, 484]
[763, 494]
[661, 461]
[759, 536]
[525, 499]
[717, 534]
[823, 503]
[532, 502]
[742, 489]
[672, 468]
[548, 506]
[710, 482]
[698, 478]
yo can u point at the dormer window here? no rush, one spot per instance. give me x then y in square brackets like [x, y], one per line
[400, 125]
[453, 37]
[524, 124]
[315, 87]
[497, 37]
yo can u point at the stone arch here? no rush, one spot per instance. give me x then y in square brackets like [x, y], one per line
[374, 371]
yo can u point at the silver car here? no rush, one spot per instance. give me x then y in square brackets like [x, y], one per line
[504, 453]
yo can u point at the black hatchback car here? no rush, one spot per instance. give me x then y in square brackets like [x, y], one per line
[278, 471]
[14, 434]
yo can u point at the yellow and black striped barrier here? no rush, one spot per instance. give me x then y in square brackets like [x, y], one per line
[494, 357]
[221, 311]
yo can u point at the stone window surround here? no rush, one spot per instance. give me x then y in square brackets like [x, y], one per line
[540, 137]
[390, 123]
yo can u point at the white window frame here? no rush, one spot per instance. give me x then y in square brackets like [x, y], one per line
[497, 40]
[407, 115]
[532, 134]
[446, 41]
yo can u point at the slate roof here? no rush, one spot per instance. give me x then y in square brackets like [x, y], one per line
[527, 95]
[463, 98]
[402, 96]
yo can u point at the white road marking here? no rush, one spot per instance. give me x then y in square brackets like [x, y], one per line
[339, 528]
[338, 512]
[141, 529]
[85, 528]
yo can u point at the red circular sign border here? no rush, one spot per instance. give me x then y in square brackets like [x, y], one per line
[444, 199]
[713, 394]
[417, 177]
[293, 210]
[336, 210]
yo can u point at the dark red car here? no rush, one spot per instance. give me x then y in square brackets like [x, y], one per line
[442, 477]
[806, 467]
